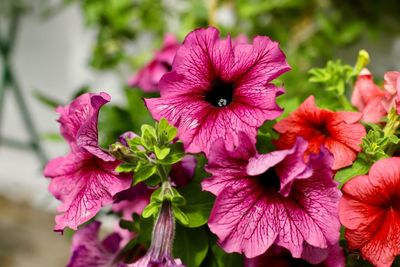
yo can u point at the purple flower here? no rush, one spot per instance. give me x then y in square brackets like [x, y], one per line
[217, 89]
[148, 77]
[278, 256]
[273, 198]
[160, 251]
[87, 250]
[85, 179]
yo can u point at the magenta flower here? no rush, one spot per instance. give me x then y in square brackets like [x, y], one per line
[281, 257]
[88, 250]
[85, 179]
[217, 89]
[148, 77]
[273, 198]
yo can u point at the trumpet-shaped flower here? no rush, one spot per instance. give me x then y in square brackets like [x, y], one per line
[85, 179]
[339, 132]
[273, 198]
[218, 88]
[370, 212]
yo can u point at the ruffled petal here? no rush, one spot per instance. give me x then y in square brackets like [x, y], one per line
[370, 211]
[258, 63]
[200, 124]
[84, 184]
[226, 165]
[79, 123]
[88, 250]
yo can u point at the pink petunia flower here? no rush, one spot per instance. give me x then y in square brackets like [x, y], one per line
[368, 98]
[370, 212]
[85, 179]
[273, 198]
[372, 101]
[392, 85]
[148, 77]
[281, 257]
[340, 132]
[217, 89]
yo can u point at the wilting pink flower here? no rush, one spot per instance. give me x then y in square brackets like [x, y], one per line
[281, 257]
[370, 212]
[273, 198]
[340, 132]
[160, 251]
[88, 250]
[85, 179]
[368, 98]
[148, 77]
[217, 89]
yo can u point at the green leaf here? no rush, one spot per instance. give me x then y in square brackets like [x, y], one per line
[52, 103]
[180, 216]
[198, 204]
[176, 154]
[149, 130]
[144, 172]
[128, 225]
[152, 209]
[359, 167]
[161, 153]
[165, 132]
[190, 245]
[226, 259]
[125, 167]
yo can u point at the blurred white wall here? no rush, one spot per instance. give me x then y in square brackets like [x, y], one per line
[50, 56]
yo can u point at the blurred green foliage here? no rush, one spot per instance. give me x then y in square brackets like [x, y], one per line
[309, 31]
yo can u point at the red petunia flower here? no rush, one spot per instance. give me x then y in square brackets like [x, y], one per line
[339, 132]
[370, 212]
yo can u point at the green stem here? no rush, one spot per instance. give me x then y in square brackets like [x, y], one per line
[162, 172]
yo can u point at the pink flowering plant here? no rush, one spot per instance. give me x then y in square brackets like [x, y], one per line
[225, 176]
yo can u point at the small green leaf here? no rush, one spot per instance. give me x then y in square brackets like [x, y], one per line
[128, 225]
[198, 204]
[161, 153]
[151, 209]
[149, 129]
[143, 173]
[156, 196]
[171, 134]
[359, 167]
[135, 143]
[125, 167]
[180, 216]
[176, 154]
[191, 245]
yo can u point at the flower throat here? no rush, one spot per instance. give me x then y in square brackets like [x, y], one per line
[270, 180]
[220, 94]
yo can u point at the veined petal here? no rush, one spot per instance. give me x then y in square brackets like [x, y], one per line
[84, 184]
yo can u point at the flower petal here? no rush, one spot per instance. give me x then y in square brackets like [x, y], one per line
[84, 184]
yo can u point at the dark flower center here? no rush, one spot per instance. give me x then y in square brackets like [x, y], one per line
[220, 94]
[270, 180]
[321, 128]
[167, 66]
[395, 203]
